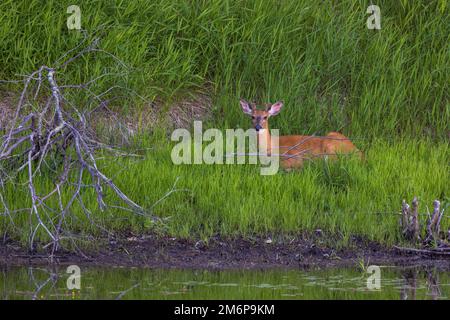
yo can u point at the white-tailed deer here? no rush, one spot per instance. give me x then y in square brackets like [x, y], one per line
[293, 150]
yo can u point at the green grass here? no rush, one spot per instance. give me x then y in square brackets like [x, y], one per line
[347, 197]
[318, 56]
[387, 89]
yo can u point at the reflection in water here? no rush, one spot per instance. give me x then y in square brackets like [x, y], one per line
[123, 293]
[411, 279]
[433, 284]
[408, 290]
[51, 281]
[133, 283]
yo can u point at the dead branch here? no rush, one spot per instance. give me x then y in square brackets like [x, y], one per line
[410, 220]
[434, 242]
[55, 135]
[433, 226]
[428, 252]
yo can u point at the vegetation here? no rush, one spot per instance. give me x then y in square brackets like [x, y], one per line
[386, 89]
[332, 72]
[347, 197]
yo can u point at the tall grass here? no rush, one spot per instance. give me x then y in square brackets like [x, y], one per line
[318, 56]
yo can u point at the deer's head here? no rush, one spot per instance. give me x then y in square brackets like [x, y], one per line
[260, 117]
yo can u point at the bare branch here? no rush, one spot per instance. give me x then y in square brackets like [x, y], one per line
[56, 136]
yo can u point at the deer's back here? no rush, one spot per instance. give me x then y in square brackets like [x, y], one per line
[307, 146]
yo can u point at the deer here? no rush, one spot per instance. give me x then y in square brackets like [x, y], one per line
[294, 149]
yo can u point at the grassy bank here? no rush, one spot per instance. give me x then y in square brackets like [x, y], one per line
[386, 89]
[347, 197]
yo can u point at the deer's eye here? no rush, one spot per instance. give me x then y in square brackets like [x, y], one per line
[265, 117]
[253, 117]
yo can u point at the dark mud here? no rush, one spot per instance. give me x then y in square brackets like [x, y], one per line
[218, 253]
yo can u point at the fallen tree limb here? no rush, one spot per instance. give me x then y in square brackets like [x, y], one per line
[432, 252]
[434, 242]
[55, 135]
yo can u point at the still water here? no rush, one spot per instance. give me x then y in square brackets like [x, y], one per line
[140, 283]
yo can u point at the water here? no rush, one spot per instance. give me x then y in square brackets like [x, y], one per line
[139, 283]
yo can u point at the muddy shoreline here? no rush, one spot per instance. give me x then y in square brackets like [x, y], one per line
[152, 251]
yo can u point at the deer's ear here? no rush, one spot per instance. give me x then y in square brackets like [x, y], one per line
[246, 107]
[275, 108]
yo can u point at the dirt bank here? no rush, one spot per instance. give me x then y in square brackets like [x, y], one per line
[218, 253]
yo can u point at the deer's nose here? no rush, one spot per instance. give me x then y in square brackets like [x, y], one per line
[258, 127]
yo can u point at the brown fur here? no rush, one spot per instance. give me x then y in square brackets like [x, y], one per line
[295, 149]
